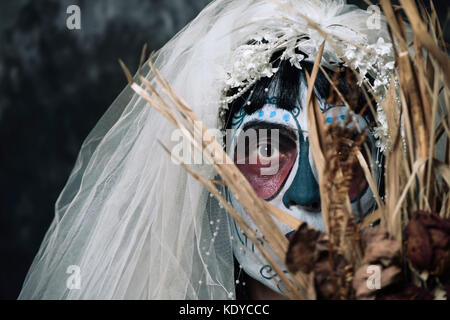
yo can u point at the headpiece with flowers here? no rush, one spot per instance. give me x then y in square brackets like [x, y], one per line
[365, 50]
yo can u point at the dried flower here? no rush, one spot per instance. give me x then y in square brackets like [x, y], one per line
[427, 238]
[383, 252]
[301, 251]
[332, 274]
[379, 248]
[309, 251]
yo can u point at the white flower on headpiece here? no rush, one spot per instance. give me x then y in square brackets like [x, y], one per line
[350, 52]
[390, 65]
[381, 47]
[294, 58]
[251, 62]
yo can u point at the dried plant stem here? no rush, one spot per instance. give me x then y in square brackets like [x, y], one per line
[420, 30]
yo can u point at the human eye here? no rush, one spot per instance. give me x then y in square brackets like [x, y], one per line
[276, 147]
[267, 151]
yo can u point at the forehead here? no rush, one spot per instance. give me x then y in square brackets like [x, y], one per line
[296, 118]
[271, 113]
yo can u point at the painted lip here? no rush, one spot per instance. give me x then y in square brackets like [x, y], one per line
[290, 235]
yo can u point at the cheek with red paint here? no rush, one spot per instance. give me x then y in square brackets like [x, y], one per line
[266, 186]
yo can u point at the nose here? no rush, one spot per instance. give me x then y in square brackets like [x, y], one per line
[304, 190]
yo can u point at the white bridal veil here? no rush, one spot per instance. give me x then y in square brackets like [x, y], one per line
[130, 224]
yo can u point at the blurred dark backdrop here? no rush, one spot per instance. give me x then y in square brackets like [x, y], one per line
[55, 84]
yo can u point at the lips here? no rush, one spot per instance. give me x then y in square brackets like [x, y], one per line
[290, 235]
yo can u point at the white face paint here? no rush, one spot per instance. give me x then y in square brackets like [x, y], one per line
[294, 188]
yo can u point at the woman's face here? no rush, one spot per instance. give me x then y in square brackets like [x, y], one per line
[277, 161]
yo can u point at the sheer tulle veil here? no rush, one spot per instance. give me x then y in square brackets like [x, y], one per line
[133, 224]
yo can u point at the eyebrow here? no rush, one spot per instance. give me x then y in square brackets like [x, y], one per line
[284, 130]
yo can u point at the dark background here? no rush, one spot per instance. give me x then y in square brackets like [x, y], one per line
[55, 84]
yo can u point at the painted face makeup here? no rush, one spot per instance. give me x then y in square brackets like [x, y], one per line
[265, 150]
[293, 187]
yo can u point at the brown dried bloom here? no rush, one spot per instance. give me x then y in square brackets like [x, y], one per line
[309, 251]
[427, 237]
[301, 251]
[332, 273]
[382, 252]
